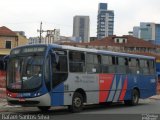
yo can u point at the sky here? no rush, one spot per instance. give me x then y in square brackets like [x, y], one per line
[26, 15]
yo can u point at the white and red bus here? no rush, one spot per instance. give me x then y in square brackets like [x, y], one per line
[56, 75]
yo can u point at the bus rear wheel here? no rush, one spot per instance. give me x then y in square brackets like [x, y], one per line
[44, 108]
[134, 100]
[77, 103]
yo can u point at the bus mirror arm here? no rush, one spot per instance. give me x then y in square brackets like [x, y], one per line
[54, 58]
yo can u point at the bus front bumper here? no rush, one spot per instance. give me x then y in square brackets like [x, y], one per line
[44, 100]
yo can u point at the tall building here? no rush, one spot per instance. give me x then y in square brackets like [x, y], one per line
[136, 31]
[147, 31]
[157, 34]
[81, 29]
[105, 21]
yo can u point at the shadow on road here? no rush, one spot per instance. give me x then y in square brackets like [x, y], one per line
[64, 110]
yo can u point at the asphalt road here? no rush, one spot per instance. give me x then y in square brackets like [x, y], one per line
[148, 109]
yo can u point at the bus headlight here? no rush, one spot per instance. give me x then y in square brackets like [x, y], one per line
[37, 94]
[9, 95]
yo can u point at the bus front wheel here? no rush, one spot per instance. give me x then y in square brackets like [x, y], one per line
[135, 98]
[44, 108]
[77, 103]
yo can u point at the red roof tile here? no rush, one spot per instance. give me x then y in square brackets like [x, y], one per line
[131, 42]
[4, 31]
[109, 41]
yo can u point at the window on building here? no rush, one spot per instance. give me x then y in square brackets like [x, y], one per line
[117, 41]
[8, 44]
[124, 40]
[81, 28]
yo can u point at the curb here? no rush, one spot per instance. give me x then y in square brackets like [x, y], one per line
[157, 97]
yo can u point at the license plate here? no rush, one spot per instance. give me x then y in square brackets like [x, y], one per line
[22, 100]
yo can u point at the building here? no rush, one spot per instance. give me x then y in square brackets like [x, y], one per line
[93, 39]
[35, 40]
[150, 32]
[22, 40]
[52, 36]
[9, 40]
[126, 44]
[22, 33]
[136, 31]
[130, 33]
[81, 28]
[66, 39]
[105, 21]
[147, 31]
[157, 34]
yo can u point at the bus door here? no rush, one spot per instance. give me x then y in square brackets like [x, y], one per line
[59, 68]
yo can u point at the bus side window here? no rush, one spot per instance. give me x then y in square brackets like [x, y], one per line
[106, 62]
[62, 65]
[60, 69]
[144, 67]
[121, 67]
[139, 71]
[76, 61]
[93, 63]
[112, 67]
[132, 66]
[151, 67]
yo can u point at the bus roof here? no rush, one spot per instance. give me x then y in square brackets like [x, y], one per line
[67, 47]
[101, 51]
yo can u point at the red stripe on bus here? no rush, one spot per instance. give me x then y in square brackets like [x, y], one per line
[105, 82]
[123, 92]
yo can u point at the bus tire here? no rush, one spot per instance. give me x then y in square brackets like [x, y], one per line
[77, 103]
[135, 98]
[44, 108]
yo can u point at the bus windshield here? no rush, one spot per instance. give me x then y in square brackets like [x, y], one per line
[24, 73]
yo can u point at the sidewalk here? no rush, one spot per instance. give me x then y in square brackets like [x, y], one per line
[156, 97]
[3, 103]
[4, 107]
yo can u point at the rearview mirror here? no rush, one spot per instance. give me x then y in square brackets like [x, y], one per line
[5, 60]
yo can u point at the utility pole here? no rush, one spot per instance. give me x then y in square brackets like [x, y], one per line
[40, 32]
